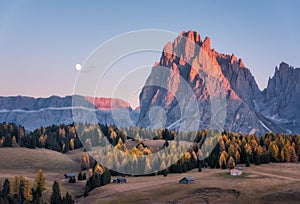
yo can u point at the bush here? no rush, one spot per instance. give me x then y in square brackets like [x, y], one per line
[80, 177]
[72, 180]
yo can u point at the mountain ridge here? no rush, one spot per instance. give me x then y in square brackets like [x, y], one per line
[33, 112]
[244, 98]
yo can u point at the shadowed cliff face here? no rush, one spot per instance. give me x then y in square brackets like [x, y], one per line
[191, 60]
[281, 99]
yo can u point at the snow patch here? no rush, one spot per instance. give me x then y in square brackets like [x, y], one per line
[265, 126]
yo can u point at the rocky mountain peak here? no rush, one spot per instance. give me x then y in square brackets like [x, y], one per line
[285, 77]
[233, 59]
[241, 63]
[189, 56]
[281, 97]
[249, 110]
[191, 35]
[206, 44]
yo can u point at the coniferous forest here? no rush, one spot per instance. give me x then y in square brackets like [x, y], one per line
[230, 149]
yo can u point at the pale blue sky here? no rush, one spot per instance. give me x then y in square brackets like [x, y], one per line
[41, 41]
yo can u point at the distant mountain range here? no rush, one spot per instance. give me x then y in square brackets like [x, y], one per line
[248, 109]
[36, 112]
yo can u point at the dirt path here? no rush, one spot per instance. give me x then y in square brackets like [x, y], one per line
[273, 175]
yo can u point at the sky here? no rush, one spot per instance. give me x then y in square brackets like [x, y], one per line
[41, 41]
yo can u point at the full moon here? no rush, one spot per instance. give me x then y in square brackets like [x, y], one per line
[78, 67]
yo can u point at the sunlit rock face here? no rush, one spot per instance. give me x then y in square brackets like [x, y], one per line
[191, 60]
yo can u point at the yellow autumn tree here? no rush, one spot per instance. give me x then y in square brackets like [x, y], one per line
[21, 132]
[187, 156]
[14, 141]
[14, 189]
[21, 183]
[285, 153]
[231, 162]
[27, 189]
[40, 180]
[72, 144]
[1, 141]
[42, 139]
[85, 160]
[223, 158]
[274, 151]
[98, 169]
[294, 157]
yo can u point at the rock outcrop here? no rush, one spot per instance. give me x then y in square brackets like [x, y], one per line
[191, 60]
[281, 98]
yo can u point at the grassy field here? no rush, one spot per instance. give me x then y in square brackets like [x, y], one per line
[26, 162]
[271, 183]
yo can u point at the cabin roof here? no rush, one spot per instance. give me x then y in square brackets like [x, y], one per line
[70, 174]
[188, 179]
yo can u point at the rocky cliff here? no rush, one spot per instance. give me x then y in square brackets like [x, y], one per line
[191, 60]
[281, 99]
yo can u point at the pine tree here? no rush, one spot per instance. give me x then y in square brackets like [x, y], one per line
[36, 196]
[21, 196]
[38, 192]
[4, 200]
[105, 177]
[223, 165]
[56, 196]
[199, 167]
[165, 172]
[6, 188]
[67, 199]
[86, 190]
[80, 178]
[7, 141]
[72, 179]
[257, 158]
[97, 181]
[247, 161]
[243, 155]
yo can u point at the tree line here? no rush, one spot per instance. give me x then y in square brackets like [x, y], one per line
[19, 190]
[228, 149]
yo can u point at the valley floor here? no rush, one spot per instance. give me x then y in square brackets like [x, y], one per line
[271, 183]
